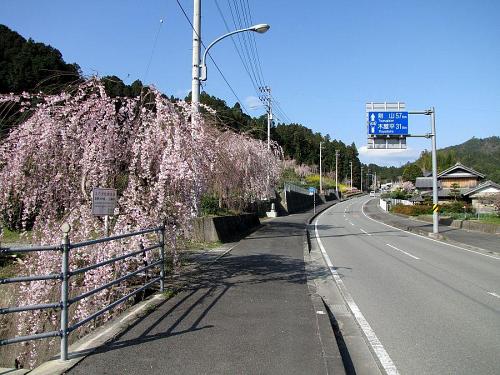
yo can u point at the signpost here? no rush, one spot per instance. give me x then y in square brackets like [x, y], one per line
[387, 128]
[312, 191]
[388, 123]
[104, 204]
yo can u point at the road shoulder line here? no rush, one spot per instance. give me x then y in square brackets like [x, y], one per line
[381, 355]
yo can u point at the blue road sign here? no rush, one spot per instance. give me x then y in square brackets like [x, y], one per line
[388, 123]
[312, 190]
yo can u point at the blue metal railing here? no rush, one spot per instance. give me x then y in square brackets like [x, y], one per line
[65, 275]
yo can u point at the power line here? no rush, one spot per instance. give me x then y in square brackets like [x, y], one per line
[236, 47]
[152, 51]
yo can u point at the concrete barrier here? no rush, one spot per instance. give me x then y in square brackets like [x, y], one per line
[223, 228]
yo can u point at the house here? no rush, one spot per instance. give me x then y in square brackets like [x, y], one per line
[464, 177]
[481, 196]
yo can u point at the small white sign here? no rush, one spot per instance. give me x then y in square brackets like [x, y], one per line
[103, 201]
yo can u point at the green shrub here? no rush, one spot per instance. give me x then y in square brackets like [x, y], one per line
[455, 208]
[415, 210]
[398, 194]
[209, 205]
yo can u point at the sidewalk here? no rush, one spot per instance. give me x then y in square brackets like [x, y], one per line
[484, 241]
[250, 312]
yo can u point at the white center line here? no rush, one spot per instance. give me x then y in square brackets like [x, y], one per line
[364, 231]
[404, 252]
[493, 294]
[351, 223]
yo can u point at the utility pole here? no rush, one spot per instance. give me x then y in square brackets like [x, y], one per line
[361, 179]
[266, 99]
[195, 84]
[351, 174]
[320, 174]
[336, 172]
[375, 181]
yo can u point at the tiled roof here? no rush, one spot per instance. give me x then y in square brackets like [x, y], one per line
[424, 183]
[460, 166]
[481, 186]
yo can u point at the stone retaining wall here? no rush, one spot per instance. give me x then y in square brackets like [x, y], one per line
[467, 224]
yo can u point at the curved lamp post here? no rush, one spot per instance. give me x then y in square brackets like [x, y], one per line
[259, 28]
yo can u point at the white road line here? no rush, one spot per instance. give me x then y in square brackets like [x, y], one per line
[365, 232]
[377, 347]
[351, 223]
[404, 252]
[493, 294]
[427, 238]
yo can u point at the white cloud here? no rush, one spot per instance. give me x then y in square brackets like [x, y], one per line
[390, 157]
[252, 103]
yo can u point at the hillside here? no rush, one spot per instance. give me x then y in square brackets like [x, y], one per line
[481, 154]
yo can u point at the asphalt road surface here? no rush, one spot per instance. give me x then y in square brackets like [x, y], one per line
[435, 308]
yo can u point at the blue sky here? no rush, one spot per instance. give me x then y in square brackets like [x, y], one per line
[323, 59]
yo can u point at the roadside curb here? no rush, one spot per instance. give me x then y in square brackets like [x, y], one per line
[330, 350]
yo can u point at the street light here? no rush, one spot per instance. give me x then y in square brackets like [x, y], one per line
[259, 28]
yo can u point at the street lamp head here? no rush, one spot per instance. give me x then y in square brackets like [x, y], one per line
[260, 28]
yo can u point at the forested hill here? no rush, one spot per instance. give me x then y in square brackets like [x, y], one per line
[483, 155]
[28, 66]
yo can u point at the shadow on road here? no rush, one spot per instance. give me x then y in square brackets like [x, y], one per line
[186, 312]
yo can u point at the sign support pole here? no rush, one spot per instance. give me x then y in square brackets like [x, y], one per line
[435, 213]
[106, 225]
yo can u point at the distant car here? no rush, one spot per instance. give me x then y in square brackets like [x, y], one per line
[372, 193]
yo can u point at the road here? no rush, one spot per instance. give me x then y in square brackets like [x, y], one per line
[434, 308]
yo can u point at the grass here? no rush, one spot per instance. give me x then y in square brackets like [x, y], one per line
[491, 219]
[195, 245]
[169, 293]
[9, 269]
[10, 236]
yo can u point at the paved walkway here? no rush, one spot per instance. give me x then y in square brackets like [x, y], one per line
[488, 242]
[248, 313]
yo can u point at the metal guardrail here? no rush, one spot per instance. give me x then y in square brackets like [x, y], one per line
[65, 275]
[291, 187]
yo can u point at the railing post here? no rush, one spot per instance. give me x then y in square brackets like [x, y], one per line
[64, 290]
[162, 257]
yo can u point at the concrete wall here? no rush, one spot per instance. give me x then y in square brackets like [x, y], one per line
[223, 228]
[293, 201]
[383, 204]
